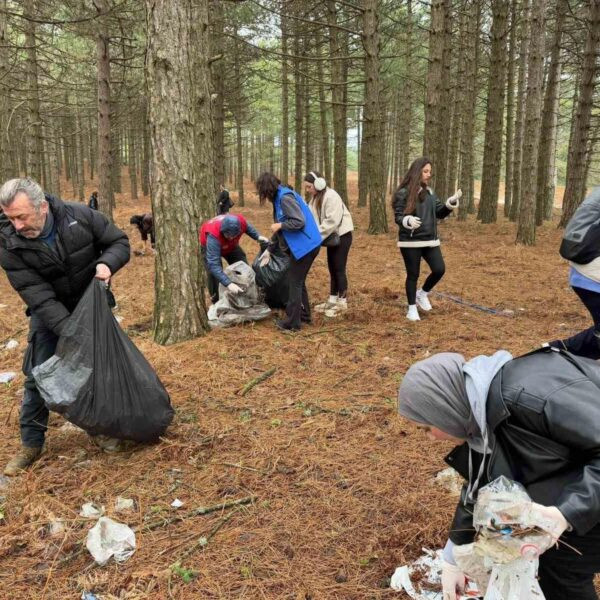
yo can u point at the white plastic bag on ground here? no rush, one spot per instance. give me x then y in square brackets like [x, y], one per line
[233, 309]
[108, 538]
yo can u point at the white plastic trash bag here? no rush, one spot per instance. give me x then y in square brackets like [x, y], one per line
[108, 538]
[233, 309]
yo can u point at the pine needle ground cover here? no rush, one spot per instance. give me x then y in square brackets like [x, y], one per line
[305, 486]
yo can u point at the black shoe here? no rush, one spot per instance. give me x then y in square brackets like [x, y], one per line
[283, 326]
[306, 319]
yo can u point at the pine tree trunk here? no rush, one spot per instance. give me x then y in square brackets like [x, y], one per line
[549, 127]
[105, 189]
[34, 133]
[240, 163]
[146, 150]
[510, 108]
[434, 81]
[299, 106]
[520, 115]
[285, 126]
[80, 154]
[4, 105]
[576, 165]
[132, 153]
[373, 138]
[337, 45]
[323, 111]
[406, 112]
[533, 114]
[182, 192]
[217, 23]
[469, 102]
[492, 150]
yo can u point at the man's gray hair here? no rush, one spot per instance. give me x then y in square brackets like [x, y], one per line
[32, 189]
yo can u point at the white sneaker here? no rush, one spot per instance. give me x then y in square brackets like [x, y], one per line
[423, 300]
[342, 304]
[413, 313]
[330, 304]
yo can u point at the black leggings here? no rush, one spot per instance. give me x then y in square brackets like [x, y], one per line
[337, 258]
[297, 308]
[412, 262]
[585, 343]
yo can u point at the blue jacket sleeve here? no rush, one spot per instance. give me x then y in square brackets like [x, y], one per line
[213, 260]
[251, 231]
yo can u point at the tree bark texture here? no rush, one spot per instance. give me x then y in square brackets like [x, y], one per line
[34, 132]
[549, 127]
[492, 150]
[576, 165]
[217, 71]
[285, 124]
[373, 139]
[510, 108]
[183, 161]
[533, 114]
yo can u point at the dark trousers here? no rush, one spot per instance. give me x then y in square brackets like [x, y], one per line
[213, 283]
[587, 342]
[337, 259]
[41, 344]
[297, 308]
[564, 574]
[412, 262]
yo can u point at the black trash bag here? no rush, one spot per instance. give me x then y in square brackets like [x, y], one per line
[273, 278]
[97, 378]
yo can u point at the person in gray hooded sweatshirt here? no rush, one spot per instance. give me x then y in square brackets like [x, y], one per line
[534, 419]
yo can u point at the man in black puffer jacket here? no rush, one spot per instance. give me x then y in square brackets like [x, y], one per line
[50, 250]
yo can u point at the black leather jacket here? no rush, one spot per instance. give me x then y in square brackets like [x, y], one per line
[429, 209]
[544, 409]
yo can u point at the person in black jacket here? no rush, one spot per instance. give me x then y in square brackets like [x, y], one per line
[534, 419]
[50, 250]
[416, 211]
[145, 225]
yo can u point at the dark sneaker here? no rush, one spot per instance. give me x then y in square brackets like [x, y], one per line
[25, 458]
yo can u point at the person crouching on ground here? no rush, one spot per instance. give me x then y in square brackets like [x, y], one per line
[220, 238]
[50, 250]
[534, 419]
[336, 227]
[145, 225]
[296, 233]
[416, 212]
[224, 201]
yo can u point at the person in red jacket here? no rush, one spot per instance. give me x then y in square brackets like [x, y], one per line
[220, 238]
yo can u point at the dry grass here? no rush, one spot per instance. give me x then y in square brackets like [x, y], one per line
[342, 486]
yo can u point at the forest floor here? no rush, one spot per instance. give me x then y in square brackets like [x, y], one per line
[341, 487]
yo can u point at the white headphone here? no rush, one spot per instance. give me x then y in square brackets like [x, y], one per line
[319, 182]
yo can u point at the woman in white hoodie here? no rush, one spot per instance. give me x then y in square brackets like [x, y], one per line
[336, 227]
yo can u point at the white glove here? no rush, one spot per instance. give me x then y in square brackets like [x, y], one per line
[548, 518]
[453, 580]
[452, 202]
[262, 239]
[234, 288]
[411, 222]
[264, 259]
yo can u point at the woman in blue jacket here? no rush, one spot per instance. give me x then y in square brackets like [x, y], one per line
[296, 233]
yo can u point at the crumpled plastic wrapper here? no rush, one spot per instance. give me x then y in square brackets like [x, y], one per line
[107, 539]
[503, 560]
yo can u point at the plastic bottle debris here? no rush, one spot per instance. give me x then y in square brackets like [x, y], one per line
[91, 511]
[108, 538]
[7, 376]
[177, 503]
[124, 504]
[429, 567]
[11, 344]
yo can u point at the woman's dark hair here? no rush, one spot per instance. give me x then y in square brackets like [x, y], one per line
[310, 177]
[136, 220]
[412, 182]
[266, 186]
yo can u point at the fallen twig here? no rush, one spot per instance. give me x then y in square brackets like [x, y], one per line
[245, 389]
